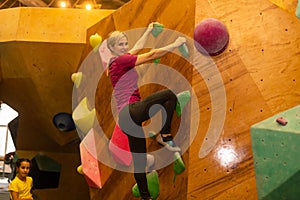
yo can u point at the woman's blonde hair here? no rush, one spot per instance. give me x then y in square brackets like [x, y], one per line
[114, 37]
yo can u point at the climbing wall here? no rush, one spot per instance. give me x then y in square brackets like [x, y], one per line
[119, 185]
[259, 73]
[275, 152]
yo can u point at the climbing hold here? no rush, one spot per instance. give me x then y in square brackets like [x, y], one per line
[150, 161]
[104, 53]
[157, 29]
[90, 165]
[152, 134]
[182, 99]
[95, 40]
[178, 165]
[211, 37]
[156, 61]
[184, 50]
[76, 78]
[281, 121]
[153, 185]
[298, 9]
[84, 117]
[79, 169]
[119, 147]
[63, 122]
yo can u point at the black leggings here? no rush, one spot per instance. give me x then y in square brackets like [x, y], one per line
[131, 118]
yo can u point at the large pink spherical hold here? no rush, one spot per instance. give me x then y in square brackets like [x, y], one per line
[211, 37]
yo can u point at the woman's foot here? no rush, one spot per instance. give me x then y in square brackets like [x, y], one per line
[167, 141]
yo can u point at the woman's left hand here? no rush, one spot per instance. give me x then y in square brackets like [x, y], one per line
[179, 41]
[150, 26]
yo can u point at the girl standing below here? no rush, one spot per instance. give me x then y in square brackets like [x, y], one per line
[20, 186]
[132, 110]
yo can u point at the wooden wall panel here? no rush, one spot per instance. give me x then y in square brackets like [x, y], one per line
[38, 85]
[260, 70]
[21, 24]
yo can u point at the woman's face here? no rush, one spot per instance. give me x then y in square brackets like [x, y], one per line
[24, 168]
[121, 47]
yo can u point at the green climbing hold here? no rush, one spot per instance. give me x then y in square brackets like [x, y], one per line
[157, 29]
[152, 134]
[184, 50]
[156, 61]
[182, 99]
[178, 165]
[153, 186]
[298, 9]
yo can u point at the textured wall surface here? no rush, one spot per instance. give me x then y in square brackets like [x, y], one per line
[275, 153]
[261, 77]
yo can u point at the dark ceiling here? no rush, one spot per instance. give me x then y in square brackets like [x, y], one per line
[105, 4]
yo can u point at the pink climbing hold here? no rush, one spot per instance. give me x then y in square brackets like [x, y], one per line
[119, 147]
[211, 37]
[281, 121]
[90, 165]
[104, 53]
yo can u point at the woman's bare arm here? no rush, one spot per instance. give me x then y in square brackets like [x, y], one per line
[157, 53]
[139, 45]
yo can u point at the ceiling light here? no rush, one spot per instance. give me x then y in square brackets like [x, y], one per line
[63, 4]
[88, 6]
